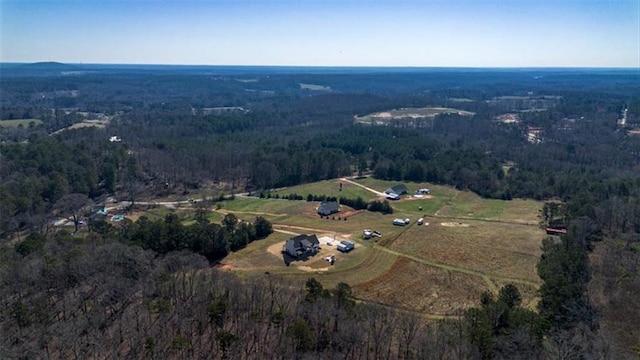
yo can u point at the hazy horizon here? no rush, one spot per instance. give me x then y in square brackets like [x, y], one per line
[314, 33]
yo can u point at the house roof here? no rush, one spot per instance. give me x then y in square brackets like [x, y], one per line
[397, 189]
[331, 206]
[304, 240]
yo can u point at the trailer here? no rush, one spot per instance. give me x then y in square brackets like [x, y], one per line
[399, 222]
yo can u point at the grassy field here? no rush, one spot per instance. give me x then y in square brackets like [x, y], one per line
[330, 188]
[470, 205]
[18, 122]
[470, 245]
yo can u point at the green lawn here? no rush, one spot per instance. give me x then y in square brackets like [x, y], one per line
[470, 205]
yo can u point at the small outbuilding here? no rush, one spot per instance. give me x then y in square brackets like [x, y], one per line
[346, 246]
[422, 192]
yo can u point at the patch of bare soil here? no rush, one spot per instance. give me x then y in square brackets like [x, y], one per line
[454, 224]
[221, 266]
[348, 214]
[311, 264]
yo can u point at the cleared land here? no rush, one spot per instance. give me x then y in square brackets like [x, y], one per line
[18, 122]
[314, 87]
[469, 245]
[384, 117]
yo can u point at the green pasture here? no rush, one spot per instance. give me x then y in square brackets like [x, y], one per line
[470, 205]
[18, 122]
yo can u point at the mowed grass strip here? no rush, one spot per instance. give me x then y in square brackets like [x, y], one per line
[414, 286]
[18, 122]
[501, 249]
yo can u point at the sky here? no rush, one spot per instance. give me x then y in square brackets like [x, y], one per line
[421, 33]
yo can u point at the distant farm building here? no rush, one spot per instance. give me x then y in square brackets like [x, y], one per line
[302, 246]
[508, 118]
[328, 208]
[394, 192]
[534, 134]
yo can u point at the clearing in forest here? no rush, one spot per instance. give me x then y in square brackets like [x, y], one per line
[467, 245]
[384, 117]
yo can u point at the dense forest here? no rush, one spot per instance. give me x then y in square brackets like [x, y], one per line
[145, 288]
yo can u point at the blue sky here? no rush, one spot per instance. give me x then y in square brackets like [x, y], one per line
[467, 33]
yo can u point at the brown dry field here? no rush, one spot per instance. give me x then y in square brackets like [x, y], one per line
[419, 287]
[475, 245]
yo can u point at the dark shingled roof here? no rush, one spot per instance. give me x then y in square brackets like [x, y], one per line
[398, 189]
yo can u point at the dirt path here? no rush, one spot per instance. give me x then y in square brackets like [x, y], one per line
[364, 187]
